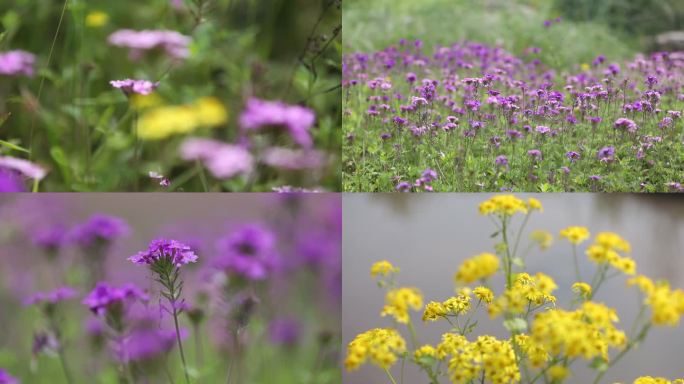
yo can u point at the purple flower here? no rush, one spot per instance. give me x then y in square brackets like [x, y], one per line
[23, 167]
[594, 177]
[541, 129]
[513, 134]
[261, 113]
[10, 182]
[534, 154]
[248, 252]
[222, 160]
[129, 86]
[50, 238]
[6, 378]
[285, 332]
[565, 170]
[428, 175]
[174, 44]
[99, 228]
[501, 161]
[147, 344]
[104, 297]
[52, 297]
[174, 251]
[606, 154]
[403, 187]
[15, 63]
[573, 156]
[625, 124]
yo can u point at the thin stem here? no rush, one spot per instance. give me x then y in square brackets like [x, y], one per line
[574, 256]
[414, 339]
[390, 376]
[180, 344]
[60, 350]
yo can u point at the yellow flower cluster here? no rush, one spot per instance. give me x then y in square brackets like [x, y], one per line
[508, 205]
[605, 250]
[477, 268]
[587, 332]
[583, 289]
[399, 301]
[96, 19]
[536, 354]
[383, 268]
[667, 305]
[160, 123]
[425, 351]
[487, 355]
[453, 306]
[380, 345]
[484, 294]
[657, 380]
[543, 238]
[525, 290]
[575, 235]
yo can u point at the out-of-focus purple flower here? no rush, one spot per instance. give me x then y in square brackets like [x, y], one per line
[606, 154]
[177, 4]
[104, 297]
[594, 177]
[129, 86]
[428, 175]
[50, 238]
[675, 187]
[10, 182]
[543, 130]
[43, 342]
[285, 332]
[6, 378]
[24, 167]
[222, 160]
[174, 44]
[565, 170]
[573, 156]
[99, 228]
[514, 134]
[318, 247]
[249, 252]
[595, 120]
[13, 63]
[403, 187]
[262, 113]
[626, 125]
[501, 161]
[535, 154]
[291, 189]
[51, 297]
[148, 344]
[161, 249]
[291, 159]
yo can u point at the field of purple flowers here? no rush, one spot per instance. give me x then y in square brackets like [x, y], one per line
[170, 95]
[474, 117]
[242, 289]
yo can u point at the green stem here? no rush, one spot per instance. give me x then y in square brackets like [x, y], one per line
[389, 375]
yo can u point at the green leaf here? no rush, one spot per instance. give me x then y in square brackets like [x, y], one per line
[518, 261]
[12, 145]
[515, 325]
[599, 364]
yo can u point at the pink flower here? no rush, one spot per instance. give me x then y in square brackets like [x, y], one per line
[22, 166]
[222, 160]
[298, 120]
[128, 86]
[14, 63]
[291, 159]
[172, 43]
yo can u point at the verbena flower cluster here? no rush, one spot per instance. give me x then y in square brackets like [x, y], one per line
[483, 119]
[546, 338]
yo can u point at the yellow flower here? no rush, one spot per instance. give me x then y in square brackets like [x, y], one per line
[543, 238]
[534, 204]
[504, 205]
[584, 66]
[383, 268]
[434, 311]
[625, 264]
[656, 380]
[453, 306]
[96, 19]
[557, 373]
[582, 288]
[484, 294]
[425, 351]
[536, 354]
[379, 345]
[612, 241]
[139, 101]
[399, 301]
[495, 359]
[476, 268]
[575, 235]
[162, 122]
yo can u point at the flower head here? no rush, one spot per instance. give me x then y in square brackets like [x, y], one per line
[477, 268]
[383, 268]
[399, 301]
[99, 228]
[381, 346]
[174, 44]
[261, 113]
[174, 251]
[130, 86]
[223, 161]
[15, 63]
[575, 235]
[104, 297]
[52, 297]
[249, 252]
[24, 167]
[6, 378]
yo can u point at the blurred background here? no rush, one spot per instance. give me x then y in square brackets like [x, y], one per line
[294, 330]
[615, 28]
[428, 236]
[76, 124]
